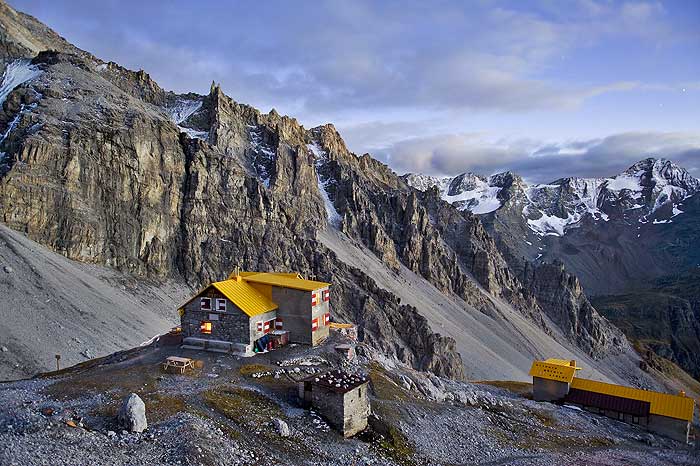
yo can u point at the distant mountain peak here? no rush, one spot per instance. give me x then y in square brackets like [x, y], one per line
[550, 209]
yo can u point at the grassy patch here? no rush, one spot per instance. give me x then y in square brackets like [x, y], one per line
[114, 383]
[384, 387]
[244, 407]
[397, 446]
[251, 414]
[546, 418]
[159, 407]
[250, 369]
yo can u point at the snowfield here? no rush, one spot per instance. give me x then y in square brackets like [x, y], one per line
[551, 209]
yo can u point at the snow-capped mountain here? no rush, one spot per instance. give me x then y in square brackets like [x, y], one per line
[650, 190]
[466, 191]
[611, 232]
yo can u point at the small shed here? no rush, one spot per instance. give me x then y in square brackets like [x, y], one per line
[341, 398]
[552, 378]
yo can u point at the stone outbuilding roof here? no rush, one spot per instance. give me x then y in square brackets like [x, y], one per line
[338, 381]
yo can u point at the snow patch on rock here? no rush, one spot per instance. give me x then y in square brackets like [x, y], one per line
[332, 214]
[264, 154]
[466, 191]
[181, 111]
[16, 73]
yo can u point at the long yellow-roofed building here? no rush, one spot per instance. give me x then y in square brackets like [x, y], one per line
[670, 415]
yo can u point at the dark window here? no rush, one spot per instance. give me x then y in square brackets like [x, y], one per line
[205, 304]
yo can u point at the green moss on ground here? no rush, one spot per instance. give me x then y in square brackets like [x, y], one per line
[116, 384]
[244, 407]
[250, 369]
[395, 445]
[384, 386]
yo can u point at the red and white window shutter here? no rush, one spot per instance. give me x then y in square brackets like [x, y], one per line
[259, 326]
[326, 295]
[266, 327]
[326, 318]
[314, 324]
[205, 304]
[314, 298]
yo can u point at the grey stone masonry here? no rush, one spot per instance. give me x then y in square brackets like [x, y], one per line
[298, 314]
[342, 399]
[548, 390]
[232, 325]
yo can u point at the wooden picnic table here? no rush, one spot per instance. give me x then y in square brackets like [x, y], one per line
[178, 363]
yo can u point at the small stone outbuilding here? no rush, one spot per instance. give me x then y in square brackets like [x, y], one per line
[341, 398]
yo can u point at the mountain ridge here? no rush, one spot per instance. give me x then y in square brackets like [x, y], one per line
[104, 166]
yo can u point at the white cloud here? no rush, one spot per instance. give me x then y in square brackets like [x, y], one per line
[363, 55]
[539, 161]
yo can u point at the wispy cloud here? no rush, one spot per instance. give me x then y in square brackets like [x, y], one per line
[541, 161]
[435, 87]
[338, 56]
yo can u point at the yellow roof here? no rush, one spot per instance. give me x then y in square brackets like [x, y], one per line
[340, 325]
[662, 404]
[563, 362]
[553, 371]
[248, 274]
[245, 297]
[285, 281]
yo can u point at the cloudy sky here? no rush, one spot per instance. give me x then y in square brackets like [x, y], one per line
[545, 88]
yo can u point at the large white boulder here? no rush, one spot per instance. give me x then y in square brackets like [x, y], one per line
[132, 414]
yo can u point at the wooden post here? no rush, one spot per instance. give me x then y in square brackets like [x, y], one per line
[58, 365]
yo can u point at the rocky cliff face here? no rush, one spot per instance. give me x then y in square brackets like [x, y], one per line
[101, 164]
[663, 316]
[561, 296]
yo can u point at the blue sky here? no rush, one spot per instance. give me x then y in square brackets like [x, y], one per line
[545, 88]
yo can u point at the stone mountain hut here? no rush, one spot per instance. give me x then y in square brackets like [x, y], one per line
[251, 310]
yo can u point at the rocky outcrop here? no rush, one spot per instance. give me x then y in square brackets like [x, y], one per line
[663, 316]
[406, 228]
[561, 296]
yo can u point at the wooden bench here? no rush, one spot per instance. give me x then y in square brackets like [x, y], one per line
[178, 364]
